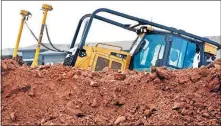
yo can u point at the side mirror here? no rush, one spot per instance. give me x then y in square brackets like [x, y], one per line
[82, 53]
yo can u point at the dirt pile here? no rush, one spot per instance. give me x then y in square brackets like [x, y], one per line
[9, 64]
[65, 95]
[19, 60]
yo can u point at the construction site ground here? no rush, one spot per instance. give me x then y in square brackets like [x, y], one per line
[59, 94]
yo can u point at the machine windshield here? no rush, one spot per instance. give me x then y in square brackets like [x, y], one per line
[151, 51]
[180, 54]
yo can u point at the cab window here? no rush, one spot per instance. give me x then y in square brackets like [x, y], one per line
[151, 52]
[116, 65]
[182, 53]
[101, 63]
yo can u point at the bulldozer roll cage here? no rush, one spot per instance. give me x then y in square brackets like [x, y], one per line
[125, 26]
[81, 52]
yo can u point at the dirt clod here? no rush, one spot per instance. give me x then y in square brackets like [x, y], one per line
[176, 106]
[94, 103]
[147, 113]
[153, 76]
[163, 73]
[120, 119]
[94, 84]
[195, 77]
[119, 76]
[100, 120]
[183, 79]
[13, 117]
[206, 115]
[32, 94]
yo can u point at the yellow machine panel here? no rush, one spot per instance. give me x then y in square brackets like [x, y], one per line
[210, 49]
[99, 57]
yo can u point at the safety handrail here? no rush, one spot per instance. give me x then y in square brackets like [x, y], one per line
[144, 22]
[109, 45]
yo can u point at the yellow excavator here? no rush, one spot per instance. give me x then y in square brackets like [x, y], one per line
[155, 45]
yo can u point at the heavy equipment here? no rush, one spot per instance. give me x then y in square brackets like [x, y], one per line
[155, 45]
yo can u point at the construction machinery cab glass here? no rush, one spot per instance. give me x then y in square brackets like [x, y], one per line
[164, 49]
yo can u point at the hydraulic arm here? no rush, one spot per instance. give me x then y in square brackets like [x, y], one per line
[25, 15]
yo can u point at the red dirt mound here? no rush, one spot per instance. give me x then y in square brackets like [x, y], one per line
[65, 95]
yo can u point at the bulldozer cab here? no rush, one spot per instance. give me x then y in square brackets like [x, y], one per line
[163, 49]
[165, 46]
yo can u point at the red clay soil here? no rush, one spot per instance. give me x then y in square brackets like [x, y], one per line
[65, 95]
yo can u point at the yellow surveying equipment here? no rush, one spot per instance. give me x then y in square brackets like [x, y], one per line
[45, 8]
[25, 15]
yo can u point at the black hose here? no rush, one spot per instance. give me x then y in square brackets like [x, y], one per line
[37, 38]
[49, 40]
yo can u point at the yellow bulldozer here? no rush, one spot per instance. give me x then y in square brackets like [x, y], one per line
[155, 45]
